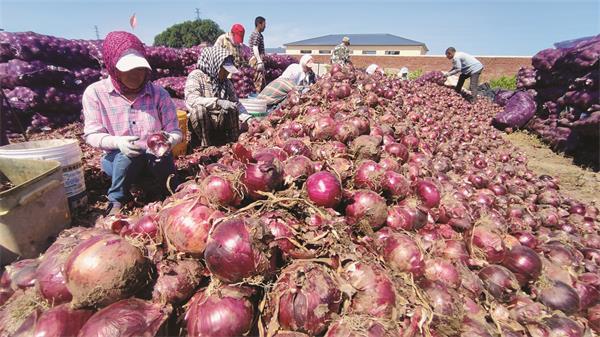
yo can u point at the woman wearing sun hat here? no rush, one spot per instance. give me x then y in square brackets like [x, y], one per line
[122, 111]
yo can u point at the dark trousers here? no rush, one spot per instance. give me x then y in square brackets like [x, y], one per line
[124, 171]
[474, 87]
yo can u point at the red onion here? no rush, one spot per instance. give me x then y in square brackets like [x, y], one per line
[401, 252]
[305, 298]
[22, 273]
[368, 175]
[186, 225]
[295, 147]
[341, 166]
[362, 124]
[265, 176]
[390, 164]
[221, 191]
[526, 239]
[443, 271]
[375, 295]
[455, 250]
[428, 193]
[499, 282]
[241, 153]
[269, 154]
[405, 217]
[368, 208]
[176, 281]
[297, 167]
[346, 131]
[324, 128]
[560, 296]
[145, 227]
[61, 321]
[239, 248]
[126, 318]
[490, 244]
[366, 147]
[394, 185]
[223, 311]
[397, 150]
[104, 269]
[442, 300]
[324, 189]
[50, 273]
[562, 326]
[524, 263]
[157, 144]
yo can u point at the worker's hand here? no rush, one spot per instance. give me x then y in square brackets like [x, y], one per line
[226, 104]
[128, 147]
[172, 139]
[260, 66]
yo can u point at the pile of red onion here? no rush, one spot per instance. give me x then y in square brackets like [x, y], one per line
[367, 206]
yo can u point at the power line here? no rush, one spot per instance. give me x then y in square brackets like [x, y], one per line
[97, 32]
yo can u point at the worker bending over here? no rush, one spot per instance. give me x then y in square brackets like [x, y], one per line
[468, 67]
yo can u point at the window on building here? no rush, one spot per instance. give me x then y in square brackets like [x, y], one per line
[392, 52]
[305, 51]
[324, 51]
[369, 52]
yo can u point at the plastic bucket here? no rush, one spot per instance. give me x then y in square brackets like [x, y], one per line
[255, 106]
[179, 149]
[67, 152]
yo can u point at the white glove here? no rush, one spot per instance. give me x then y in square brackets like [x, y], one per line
[226, 105]
[127, 146]
[173, 139]
[260, 66]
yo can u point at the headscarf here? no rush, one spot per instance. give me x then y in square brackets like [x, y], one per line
[305, 59]
[210, 61]
[371, 69]
[115, 44]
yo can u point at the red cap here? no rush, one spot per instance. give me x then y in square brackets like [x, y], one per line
[238, 31]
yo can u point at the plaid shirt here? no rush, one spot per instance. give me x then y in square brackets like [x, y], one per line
[108, 113]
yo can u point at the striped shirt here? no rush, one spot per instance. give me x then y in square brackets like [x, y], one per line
[257, 39]
[108, 113]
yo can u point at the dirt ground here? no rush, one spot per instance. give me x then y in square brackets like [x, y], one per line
[575, 181]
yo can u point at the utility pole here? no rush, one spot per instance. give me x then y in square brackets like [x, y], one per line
[197, 13]
[97, 32]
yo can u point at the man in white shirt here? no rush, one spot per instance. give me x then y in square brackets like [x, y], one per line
[468, 67]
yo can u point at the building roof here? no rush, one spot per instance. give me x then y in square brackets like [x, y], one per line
[358, 40]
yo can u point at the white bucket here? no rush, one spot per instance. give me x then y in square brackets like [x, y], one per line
[65, 151]
[254, 105]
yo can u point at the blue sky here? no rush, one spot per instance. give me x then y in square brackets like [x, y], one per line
[484, 27]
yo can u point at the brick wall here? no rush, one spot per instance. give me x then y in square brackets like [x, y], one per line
[495, 66]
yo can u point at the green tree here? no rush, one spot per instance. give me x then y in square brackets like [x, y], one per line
[188, 34]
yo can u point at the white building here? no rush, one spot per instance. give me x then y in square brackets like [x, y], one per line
[360, 44]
